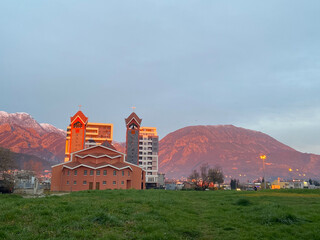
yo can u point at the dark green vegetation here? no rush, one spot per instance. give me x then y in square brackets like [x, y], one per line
[160, 214]
[13, 160]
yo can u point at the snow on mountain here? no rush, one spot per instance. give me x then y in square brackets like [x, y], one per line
[21, 119]
[25, 120]
[50, 128]
[21, 133]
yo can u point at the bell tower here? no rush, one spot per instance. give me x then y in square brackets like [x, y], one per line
[77, 134]
[133, 123]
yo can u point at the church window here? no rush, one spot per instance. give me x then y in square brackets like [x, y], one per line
[91, 172]
[114, 173]
[122, 182]
[122, 173]
[98, 172]
[75, 172]
[104, 182]
[84, 182]
[74, 182]
[104, 172]
[85, 172]
[67, 182]
[77, 125]
[114, 182]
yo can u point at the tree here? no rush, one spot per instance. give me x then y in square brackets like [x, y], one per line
[310, 181]
[316, 183]
[215, 175]
[6, 160]
[204, 169]
[200, 179]
[6, 163]
[207, 175]
[195, 178]
[233, 184]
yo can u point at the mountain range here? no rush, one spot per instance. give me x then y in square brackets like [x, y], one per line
[236, 150]
[21, 133]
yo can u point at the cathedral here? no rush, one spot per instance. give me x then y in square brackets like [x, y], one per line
[92, 162]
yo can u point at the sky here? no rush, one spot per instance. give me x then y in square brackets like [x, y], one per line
[252, 64]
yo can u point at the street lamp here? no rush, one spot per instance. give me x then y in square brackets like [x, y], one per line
[264, 157]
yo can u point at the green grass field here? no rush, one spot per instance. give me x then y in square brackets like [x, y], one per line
[160, 214]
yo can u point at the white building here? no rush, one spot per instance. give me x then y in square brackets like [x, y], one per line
[148, 154]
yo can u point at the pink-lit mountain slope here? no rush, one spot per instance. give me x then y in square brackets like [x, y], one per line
[236, 150]
[20, 133]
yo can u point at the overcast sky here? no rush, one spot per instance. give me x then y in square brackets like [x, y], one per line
[253, 64]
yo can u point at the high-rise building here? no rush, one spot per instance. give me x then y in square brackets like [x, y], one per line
[82, 134]
[142, 148]
[148, 154]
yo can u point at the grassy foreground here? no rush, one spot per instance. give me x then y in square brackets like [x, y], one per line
[160, 214]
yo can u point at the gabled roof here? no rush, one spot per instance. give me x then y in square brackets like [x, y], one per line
[82, 151]
[134, 116]
[81, 115]
[109, 145]
[118, 165]
[98, 155]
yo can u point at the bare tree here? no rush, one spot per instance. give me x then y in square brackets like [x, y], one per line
[201, 179]
[207, 175]
[215, 175]
[195, 177]
[204, 175]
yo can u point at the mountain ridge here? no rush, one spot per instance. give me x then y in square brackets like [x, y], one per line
[21, 133]
[235, 149]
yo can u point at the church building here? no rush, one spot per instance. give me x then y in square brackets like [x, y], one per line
[99, 166]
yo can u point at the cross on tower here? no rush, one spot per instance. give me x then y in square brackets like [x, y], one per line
[80, 107]
[133, 108]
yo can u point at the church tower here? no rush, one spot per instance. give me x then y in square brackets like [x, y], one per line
[76, 139]
[133, 123]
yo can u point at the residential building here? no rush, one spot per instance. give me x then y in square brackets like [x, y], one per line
[148, 154]
[278, 184]
[82, 134]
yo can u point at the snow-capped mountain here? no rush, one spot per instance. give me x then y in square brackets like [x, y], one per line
[21, 133]
[23, 119]
[50, 128]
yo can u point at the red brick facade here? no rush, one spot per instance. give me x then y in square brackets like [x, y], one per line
[98, 167]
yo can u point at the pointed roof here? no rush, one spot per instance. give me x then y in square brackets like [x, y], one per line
[97, 146]
[134, 116]
[81, 115]
[109, 145]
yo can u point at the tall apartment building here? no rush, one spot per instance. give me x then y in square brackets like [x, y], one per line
[83, 134]
[148, 154]
[142, 148]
